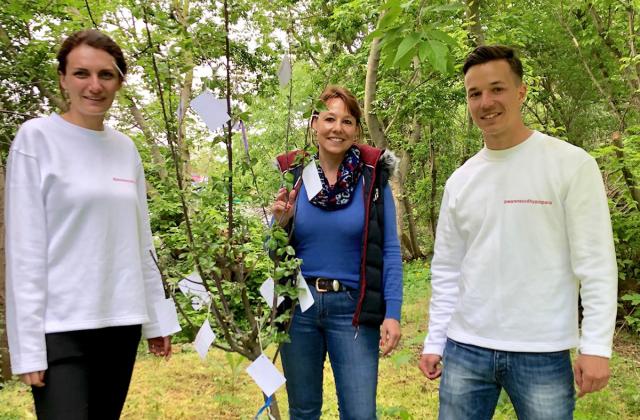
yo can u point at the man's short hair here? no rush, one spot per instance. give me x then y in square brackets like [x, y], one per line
[486, 53]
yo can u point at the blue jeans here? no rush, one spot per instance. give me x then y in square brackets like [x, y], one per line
[326, 328]
[540, 385]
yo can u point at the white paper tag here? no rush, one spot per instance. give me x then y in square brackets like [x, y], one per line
[213, 111]
[192, 286]
[267, 291]
[284, 72]
[204, 339]
[266, 375]
[304, 294]
[167, 317]
[311, 180]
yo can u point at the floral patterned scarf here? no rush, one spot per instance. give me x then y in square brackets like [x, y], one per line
[339, 195]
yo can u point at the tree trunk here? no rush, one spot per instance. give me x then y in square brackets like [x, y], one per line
[476, 39]
[405, 242]
[472, 12]
[403, 172]
[433, 169]
[373, 123]
[629, 179]
[156, 156]
[5, 372]
[275, 409]
[185, 97]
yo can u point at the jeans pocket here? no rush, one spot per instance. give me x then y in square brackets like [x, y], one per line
[352, 295]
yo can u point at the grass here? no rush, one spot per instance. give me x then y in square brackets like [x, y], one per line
[187, 388]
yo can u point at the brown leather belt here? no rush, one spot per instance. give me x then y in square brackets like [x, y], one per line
[323, 284]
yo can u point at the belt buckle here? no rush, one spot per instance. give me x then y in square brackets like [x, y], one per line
[318, 288]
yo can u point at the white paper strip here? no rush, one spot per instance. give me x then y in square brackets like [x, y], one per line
[304, 294]
[266, 375]
[311, 180]
[267, 291]
[284, 72]
[204, 339]
[192, 286]
[213, 111]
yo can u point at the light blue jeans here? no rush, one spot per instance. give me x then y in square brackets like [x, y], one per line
[540, 385]
[326, 328]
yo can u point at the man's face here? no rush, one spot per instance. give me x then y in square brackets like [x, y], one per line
[494, 97]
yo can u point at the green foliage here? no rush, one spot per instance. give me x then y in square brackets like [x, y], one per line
[633, 317]
[582, 88]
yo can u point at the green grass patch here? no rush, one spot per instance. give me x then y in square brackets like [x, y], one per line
[187, 388]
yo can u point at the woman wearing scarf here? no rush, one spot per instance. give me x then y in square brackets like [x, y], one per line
[347, 240]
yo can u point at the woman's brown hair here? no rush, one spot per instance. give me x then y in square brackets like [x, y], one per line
[349, 99]
[95, 39]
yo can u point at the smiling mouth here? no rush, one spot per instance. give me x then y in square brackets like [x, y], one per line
[491, 116]
[335, 139]
[94, 99]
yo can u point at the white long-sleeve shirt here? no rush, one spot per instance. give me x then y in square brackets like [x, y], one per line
[77, 238]
[521, 233]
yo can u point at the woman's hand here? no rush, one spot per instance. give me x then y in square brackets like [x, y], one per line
[33, 378]
[283, 208]
[389, 335]
[160, 346]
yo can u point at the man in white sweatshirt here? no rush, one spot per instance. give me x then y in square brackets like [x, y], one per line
[524, 229]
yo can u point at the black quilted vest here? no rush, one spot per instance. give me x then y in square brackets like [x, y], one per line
[371, 304]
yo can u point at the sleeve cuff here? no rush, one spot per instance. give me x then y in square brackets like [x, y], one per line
[166, 320]
[33, 363]
[393, 309]
[433, 348]
[595, 350]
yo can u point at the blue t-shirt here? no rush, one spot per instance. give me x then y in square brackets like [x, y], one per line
[330, 244]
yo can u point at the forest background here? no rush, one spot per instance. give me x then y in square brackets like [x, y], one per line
[208, 192]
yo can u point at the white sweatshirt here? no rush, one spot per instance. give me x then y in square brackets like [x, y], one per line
[77, 238]
[521, 232]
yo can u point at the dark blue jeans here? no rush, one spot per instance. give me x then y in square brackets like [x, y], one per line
[540, 385]
[326, 328]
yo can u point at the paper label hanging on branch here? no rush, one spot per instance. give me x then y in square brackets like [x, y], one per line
[265, 375]
[267, 291]
[245, 141]
[180, 111]
[311, 180]
[213, 111]
[204, 339]
[284, 72]
[304, 294]
[192, 286]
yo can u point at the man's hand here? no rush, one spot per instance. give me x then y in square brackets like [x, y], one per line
[389, 335]
[160, 346]
[430, 365]
[591, 373]
[33, 378]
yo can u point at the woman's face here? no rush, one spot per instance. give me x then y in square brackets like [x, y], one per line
[91, 81]
[336, 129]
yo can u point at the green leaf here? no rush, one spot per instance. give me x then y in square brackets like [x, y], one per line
[406, 47]
[389, 49]
[389, 18]
[440, 54]
[432, 33]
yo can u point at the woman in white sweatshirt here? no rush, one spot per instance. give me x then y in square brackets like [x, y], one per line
[81, 282]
